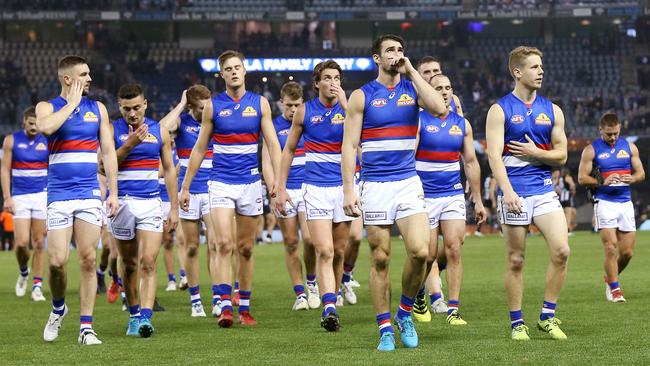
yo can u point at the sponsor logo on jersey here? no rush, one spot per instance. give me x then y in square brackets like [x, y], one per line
[622, 154]
[542, 119]
[318, 212]
[379, 102]
[317, 119]
[517, 118]
[374, 215]
[432, 128]
[548, 181]
[57, 222]
[225, 113]
[90, 117]
[338, 119]
[458, 186]
[455, 131]
[41, 146]
[249, 112]
[284, 132]
[517, 217]
[604, 155]
[405, 100]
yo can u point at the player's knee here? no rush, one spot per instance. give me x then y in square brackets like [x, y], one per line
[22, 243]
[291, 244]
[453, 252]
[561, 255]
[418, 254]
[148, 265]
[87, 263]
[380, 260]
[246, 251]
[57, 266]
[516, 262]
[325, 255]
[626, 253]
[38, 244]
[339, 253]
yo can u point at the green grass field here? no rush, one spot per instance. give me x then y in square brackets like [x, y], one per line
[599, 332]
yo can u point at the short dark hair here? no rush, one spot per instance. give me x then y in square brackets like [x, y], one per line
[292, 90]
[226, 55]
[29, 112]
[130, 91]
[426, 60]
[329, 64]
[69, 61]
[376, 45]
[609, 119]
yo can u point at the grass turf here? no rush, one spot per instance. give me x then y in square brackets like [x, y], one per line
[599, 332]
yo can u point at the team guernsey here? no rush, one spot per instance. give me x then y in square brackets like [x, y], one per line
[613, 159]
[138, 173]
[188, 133]
[164, 196]
[452, 105]
[323, 134]
[72, 169]
[29, 164]
[297, 171]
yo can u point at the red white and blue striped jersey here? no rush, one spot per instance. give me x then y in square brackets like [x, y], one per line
[535, 120]
[235, 136]
[437, 159]
[137, 174]
[187, 134]
[297, 172]
[164, 196]
[390, 125]
[28, 164]
[616, 159]
[72, 169]
[323, 134]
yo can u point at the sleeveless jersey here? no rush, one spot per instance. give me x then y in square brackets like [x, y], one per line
[437, 159]
[323, 134]
[297, 172]
[137, 175]
[72, 169]
[187, 134]
[535, 120]
[390, 124]
[28, 164]
[609, 160]
[235, 136]
[164, 196]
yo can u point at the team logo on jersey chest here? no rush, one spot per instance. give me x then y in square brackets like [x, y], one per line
[151, 139]
[432, 128]
[542, 119]
[249, 112]
[317, 119]
[455, 131]
[379, 102]
[90, 117]
[603, 155]
[405, 100]
[338, 119]
[622, 154]
[41, 146]
[517, 118]
[225, 113]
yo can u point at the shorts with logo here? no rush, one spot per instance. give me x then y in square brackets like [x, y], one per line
[246, 199]
[136, 214]
[199, 207]
[614, 215]
[297, 197]
[324, 203]
[445, 208]
[532, 206]
[61, 214]
[31, 206]
[385, 202]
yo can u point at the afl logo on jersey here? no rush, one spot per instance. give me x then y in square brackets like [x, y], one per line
[542, 119]
[90, 117]
[455, 131]
[517, 118]
[405, 100]
[284, 132]
[432, 129]
[249, 112]
[603, 155]
[338, 119]
[622, 154]
[194, 129]
[22, 146]
[225, 113]
[317, 119]
[41, 146]
[379, 102]
[123, 137]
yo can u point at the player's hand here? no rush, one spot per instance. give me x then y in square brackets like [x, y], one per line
[281, 200]
[9, 206]
[75, 93]
[272, 189]
[172, 219]
[612, 179]
[136, 137]
[625, 178]
[512, 202]
[352, 205]
[480, 214]
[112, 204]
[184, 98]
[184, 199]
[340, 95]
[524, 149]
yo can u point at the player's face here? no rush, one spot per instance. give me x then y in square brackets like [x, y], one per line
[133, 109]
[390, 50]
[328, 78]
[531, 72]
[429, 70]
[233, 72]
[290, 106]
[610, 134]
[79, 72]
[29, 124]
[196, 108]
[442, 85]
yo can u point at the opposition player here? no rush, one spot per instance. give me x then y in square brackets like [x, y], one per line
[24, 178]
[75, 127]
[428, 67]
[234, 120]
[320, 122]
[383, 115]
[187, 126]
[525, 138]
[291, 98]
[443, 141]
[618, 164]
[142, 145]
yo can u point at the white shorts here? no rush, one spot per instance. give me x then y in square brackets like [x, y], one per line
[297, 197]
[199, 207]
[166, 207]
[246, 199]
[532, 206]
[446, 208]
[325, 203]
[31, 206]
[385, 202]
[137, 214]
[615, 215]
[61, 214]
